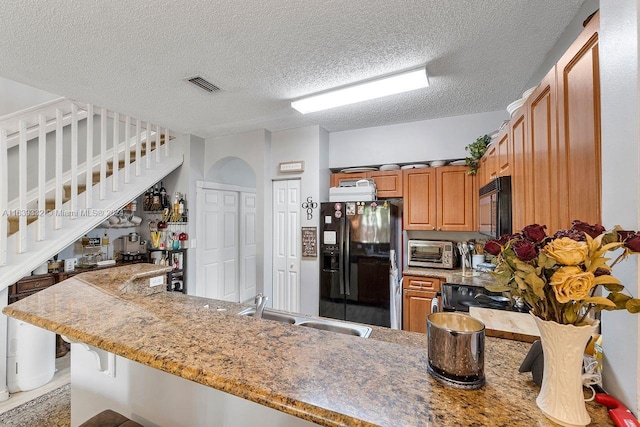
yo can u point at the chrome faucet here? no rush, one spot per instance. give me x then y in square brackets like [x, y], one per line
[261, 302]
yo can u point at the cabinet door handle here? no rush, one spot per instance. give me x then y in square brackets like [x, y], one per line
[433, 228]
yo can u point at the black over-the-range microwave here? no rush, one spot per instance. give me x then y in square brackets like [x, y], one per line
[494, 211]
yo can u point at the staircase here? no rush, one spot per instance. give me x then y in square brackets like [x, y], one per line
[65, 167]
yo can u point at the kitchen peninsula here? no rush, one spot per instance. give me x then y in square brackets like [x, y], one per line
[323, 377]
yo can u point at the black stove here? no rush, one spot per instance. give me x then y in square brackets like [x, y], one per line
[457, 297]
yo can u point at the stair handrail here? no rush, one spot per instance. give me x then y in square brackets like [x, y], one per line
[50, 185]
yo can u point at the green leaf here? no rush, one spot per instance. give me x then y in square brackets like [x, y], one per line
[498, 288]
[614, 287]
[599, 301]
[502, 277]
[633, 305]
[570, 315]
[523, 266]
[521, 284]
[537, 285]
[549, 263]
[619, 299]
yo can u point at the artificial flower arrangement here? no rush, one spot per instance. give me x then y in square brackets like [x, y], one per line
[558, 276]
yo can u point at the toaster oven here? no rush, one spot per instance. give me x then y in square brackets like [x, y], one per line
[431, 253]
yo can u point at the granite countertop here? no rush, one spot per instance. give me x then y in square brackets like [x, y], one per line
[471, 277]
[327, 378]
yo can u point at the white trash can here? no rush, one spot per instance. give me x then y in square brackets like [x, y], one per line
[31, 356]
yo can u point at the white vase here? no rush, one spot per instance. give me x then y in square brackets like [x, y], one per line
[561, 398]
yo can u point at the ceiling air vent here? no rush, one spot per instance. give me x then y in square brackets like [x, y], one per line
[203, 84]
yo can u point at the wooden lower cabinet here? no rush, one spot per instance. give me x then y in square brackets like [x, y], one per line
[417, 295]
[416, 306]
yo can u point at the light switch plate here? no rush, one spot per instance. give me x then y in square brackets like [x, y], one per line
[156, 281]
[70, 264]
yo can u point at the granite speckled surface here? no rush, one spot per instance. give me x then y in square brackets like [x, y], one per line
[471, 277]
[327, 378]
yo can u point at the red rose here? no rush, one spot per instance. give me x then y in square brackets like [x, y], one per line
[601, 272]
[592, 230]
[506, 237]
[534, 232]
[632, 242]
[624, 234]
[576, 235]
[492, 247]
[525, 249]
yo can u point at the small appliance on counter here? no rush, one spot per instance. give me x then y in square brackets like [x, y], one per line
[130, 247]
[431, 254]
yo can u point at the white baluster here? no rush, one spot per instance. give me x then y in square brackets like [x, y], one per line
[127, 148]
[166, 142]
[103, 153]
[147, 160]
[89, 173]
[4, 196]
[22, 187]
[116, 144]
[57, 218]
[138, 144]
[157, 150]
[42, 172]
[74, 161]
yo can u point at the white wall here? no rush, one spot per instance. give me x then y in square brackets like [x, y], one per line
[16, 96]
[255, 149]
[620, 190]
[437, 139]
[308, 144]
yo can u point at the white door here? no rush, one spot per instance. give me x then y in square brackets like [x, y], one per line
[247, 246]
[286, 245]
[220, 246]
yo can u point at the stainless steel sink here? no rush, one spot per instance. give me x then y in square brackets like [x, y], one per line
[339, 327]
[322, 324]
[270, 315]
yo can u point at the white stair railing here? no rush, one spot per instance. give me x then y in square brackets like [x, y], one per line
[30, 128]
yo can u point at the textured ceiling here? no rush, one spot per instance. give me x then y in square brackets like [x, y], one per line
[133, 56]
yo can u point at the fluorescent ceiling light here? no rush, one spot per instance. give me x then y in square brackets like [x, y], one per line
[389, 85]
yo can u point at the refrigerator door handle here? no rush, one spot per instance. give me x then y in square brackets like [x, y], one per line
[341, 259]
[347, 261]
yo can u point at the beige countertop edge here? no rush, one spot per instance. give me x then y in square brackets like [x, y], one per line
[312, 413]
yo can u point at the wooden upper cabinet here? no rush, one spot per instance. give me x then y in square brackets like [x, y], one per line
[454, 199]
[579, 156]
[503, 153]
[519, 187]
[497, 160]
[419, 194]
[541, 204]
[388, 183]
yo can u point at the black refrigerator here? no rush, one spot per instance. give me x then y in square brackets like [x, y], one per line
[356, 241]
